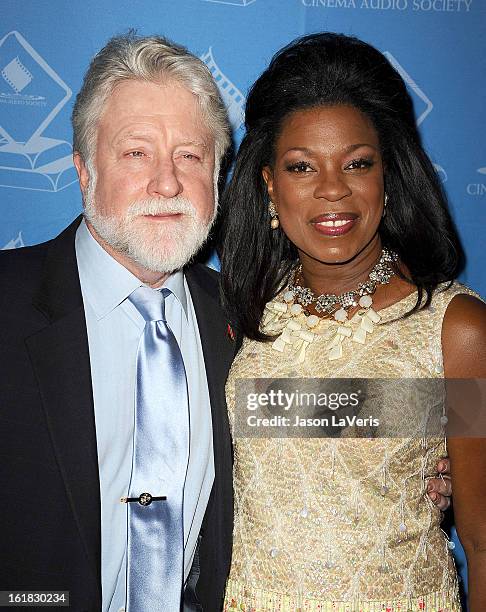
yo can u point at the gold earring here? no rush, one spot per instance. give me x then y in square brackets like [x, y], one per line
[274, 223]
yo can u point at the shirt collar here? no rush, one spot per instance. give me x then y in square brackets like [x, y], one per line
[176, 284]
[105, 282]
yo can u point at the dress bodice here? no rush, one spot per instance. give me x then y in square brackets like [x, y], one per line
[343, 524]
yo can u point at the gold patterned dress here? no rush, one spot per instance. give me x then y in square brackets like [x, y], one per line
[342, 525]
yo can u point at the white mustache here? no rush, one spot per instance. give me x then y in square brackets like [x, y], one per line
[154, 206]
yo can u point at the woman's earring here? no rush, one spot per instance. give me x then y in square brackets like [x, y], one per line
[274, 223]
[384, 207]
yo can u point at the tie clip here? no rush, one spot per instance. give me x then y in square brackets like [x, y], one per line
[145, 499]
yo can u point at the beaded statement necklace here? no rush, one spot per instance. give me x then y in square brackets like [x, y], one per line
[298, 331]
[330, 304]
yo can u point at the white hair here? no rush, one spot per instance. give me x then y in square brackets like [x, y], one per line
[150, 59]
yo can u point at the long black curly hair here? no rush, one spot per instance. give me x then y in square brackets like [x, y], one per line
[330, 69]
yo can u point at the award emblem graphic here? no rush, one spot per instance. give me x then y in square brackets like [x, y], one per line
[31, 95]
[15, 243]
[232, 96]
[235, 2]
[441, 173]
[477, 189]
[421, 100]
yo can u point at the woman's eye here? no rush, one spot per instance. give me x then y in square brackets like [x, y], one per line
[299, 167]
[360, 164]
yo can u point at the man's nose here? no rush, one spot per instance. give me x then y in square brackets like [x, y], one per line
[164, 181]
[331, 185]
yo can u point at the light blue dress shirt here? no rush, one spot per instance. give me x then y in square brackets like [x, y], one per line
[114, 329]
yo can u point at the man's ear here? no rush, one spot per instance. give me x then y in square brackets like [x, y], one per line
[267, 174]
[82, 170]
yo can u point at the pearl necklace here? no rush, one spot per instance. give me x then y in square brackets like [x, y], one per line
[281, 317]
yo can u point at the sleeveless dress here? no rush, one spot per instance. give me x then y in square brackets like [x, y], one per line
[343, 525]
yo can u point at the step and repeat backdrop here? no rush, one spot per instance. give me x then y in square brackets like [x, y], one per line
[45, 46]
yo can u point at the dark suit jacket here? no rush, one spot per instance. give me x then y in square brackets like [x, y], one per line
[49, 482]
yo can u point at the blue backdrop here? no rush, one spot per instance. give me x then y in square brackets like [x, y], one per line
[45, 47]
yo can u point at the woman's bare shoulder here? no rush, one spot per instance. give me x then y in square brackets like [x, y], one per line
[464, 338]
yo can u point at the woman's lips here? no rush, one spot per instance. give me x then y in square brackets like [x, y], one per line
[334, 224]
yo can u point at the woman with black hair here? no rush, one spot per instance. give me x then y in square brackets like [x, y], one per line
[339, 261]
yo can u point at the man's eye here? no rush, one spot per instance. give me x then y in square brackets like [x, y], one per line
[135, 154]
[360, 164]
[299, 167]
[190, 156]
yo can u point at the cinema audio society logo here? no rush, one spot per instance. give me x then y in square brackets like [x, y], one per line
[232, 96]
[477, 189]
[422, 102]
[423, 6]
[441, 173]
[15, 243]
[234, 2]
[31, 96]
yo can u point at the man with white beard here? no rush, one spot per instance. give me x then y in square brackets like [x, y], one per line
[115, 417]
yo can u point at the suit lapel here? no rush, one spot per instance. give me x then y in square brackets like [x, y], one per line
[60, 358]
[219, 351]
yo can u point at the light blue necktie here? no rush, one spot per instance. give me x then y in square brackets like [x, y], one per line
[155, 549]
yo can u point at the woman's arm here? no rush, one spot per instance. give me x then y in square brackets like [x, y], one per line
[464, 352]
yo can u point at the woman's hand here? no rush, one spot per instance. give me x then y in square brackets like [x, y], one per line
[440, 489]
